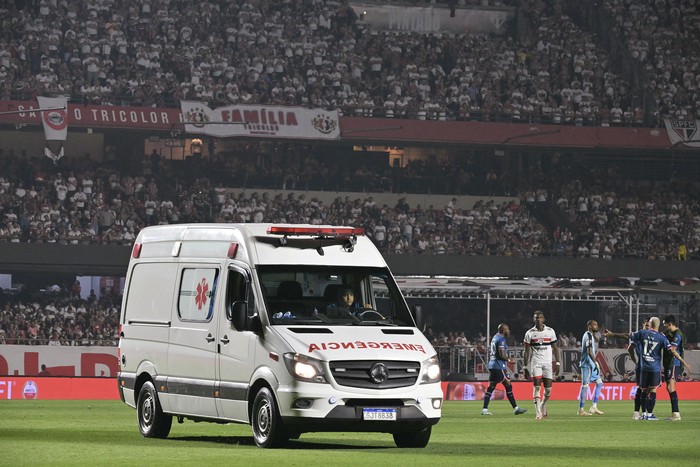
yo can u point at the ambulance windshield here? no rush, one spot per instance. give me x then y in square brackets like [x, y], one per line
[313, 295]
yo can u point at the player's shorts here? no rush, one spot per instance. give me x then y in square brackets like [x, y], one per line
[497, 376]
[650, 379]
[541, 370]
[589, 375]
[673, 372]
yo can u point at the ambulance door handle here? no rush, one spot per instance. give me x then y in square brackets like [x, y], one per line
[224, 340]
[210, 338]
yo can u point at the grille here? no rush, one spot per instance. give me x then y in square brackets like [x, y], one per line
[357, 374]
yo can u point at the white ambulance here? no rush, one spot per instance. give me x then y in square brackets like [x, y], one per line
[244, 323]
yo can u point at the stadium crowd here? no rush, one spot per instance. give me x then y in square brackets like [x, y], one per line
[320, 54]
[659, 35]
[82, 201]
[58, 316]
[93, 203]
[627, 224]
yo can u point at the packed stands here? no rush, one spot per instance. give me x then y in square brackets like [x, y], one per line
[57, 316]
[660, 36]
[85, 202]
[319, 54]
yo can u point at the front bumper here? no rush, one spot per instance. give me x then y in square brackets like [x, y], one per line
[345, 418]
[325, 408]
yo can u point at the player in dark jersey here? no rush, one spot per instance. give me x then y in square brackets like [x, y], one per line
[652, 344]
[635, 353]
[498, 370]
[672, 366]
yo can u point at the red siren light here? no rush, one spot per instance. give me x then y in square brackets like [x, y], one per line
[232, 250]
[320, 231]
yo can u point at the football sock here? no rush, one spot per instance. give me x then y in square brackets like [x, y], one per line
[536, 398]
[674, 401]
[547, 392]
[651, 402]
[638, 400]
[598, 390]
[511, 397]
[487, 397]
[582, 396]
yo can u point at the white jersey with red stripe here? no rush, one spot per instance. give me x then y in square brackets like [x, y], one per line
[540, 343]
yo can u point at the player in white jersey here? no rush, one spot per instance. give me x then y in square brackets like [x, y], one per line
[540, 349]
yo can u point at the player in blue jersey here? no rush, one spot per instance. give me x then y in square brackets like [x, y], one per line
[498, 370]
[652, 344]
[590, 370]
[672, 366]
[635, 352]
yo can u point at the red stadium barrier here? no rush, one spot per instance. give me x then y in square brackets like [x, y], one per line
[106, 389]
[58, 388]
[522, 390]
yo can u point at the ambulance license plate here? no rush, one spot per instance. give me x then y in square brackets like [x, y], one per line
[382, 415]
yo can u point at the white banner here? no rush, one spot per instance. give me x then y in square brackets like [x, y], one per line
[55, 120]
[683, 132]
[435, 20]
[32, 360]
[260, 121]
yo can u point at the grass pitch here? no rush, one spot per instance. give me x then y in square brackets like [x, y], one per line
[106, 433]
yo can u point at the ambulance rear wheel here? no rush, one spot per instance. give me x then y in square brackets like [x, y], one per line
[153, 423]
[268, 429]
[413, 439]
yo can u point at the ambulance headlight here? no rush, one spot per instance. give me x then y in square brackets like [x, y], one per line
[431, 370]
[304, 368]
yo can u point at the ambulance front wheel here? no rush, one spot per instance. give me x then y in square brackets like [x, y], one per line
[268, 429]
[413, 439]
[153, 423]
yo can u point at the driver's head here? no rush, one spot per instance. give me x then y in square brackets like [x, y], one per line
[346, 297]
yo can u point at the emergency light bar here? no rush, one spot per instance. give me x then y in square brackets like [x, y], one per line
[319, 231]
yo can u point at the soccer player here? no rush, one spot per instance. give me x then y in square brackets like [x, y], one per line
[590, 370]
[498, 371]
[540, 346]
[672, 366]
[635, 353]
[652, 342]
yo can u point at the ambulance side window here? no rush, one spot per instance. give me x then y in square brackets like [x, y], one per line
[383, 298]
[197, 294]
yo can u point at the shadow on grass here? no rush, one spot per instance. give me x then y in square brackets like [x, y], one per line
[292, 444]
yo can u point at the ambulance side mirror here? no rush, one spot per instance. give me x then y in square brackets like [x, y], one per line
[418, 316]
[238, 316]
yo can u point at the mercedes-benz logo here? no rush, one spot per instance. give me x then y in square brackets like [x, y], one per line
[378, 373]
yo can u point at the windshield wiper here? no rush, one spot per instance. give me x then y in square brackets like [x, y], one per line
[376, 323]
